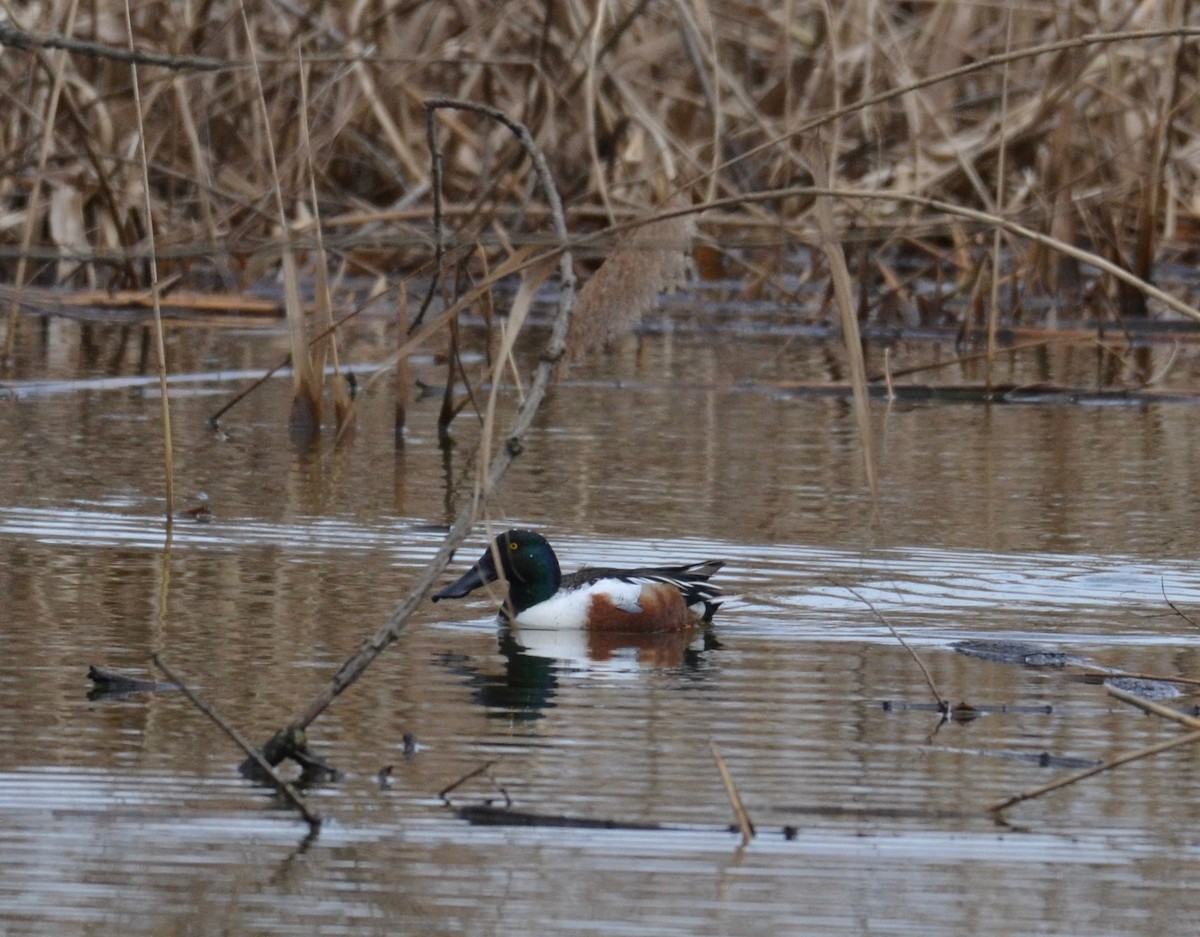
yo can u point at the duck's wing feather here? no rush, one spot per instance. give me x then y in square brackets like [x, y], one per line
[691, 580]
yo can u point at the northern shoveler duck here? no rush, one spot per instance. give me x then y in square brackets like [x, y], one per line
[656, 598]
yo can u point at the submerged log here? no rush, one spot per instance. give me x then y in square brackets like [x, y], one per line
[113, 683]
[491, 815]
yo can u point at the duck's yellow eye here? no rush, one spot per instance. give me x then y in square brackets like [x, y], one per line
[512, 545]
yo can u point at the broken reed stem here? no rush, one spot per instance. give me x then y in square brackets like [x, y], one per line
[373, 646]
[326, 328]
[1083, 775]
[246, 392]
[281, 785]
[735, 799]
[159, 347]
[1121, 759]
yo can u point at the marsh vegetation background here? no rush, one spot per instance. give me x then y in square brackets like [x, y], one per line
[999, 201]
[1076, 121]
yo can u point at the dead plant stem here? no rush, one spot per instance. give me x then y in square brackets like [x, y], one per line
[439, 234]
[23, 39]
[305, 418]
[473, 773]
[843, 292]
[159, 347]
[735, 799]
[1175, 608]
[1098, 769]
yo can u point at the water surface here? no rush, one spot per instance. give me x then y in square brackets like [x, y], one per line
[1063, 525]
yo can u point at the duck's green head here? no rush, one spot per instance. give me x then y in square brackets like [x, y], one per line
[528, 564]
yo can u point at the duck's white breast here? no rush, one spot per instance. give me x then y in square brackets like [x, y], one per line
[570, 609]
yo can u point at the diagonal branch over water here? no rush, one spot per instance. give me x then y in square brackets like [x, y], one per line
[507, 452]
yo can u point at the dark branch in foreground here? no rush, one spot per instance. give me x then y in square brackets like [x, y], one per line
[16, 38]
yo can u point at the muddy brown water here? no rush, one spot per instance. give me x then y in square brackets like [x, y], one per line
[1057, 524]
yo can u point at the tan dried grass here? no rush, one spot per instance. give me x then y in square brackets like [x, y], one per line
[1055, 116]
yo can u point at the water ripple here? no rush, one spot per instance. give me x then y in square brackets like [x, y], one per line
[769, 579]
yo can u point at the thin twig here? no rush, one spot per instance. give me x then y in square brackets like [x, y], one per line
[1083, 775]
[959, 360]
[943, 703]
[1175, 608]
[281, 785]
[439, 235]
[159, 346]
[246, 391]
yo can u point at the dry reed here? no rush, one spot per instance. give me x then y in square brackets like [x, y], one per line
[1077, 123]
[159, 347]
[740, 813]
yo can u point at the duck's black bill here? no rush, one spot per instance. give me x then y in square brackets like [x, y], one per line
[478, 575]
